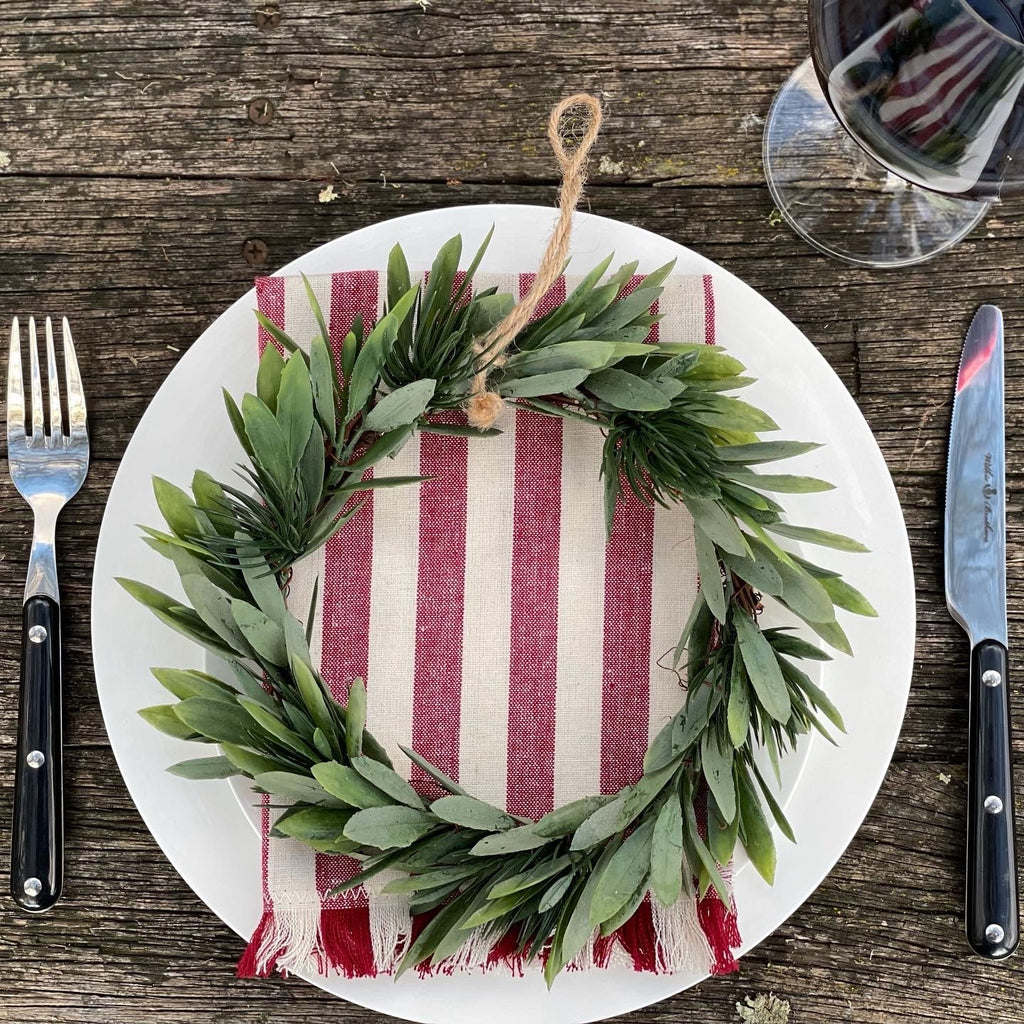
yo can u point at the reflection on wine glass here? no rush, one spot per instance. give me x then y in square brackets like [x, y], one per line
[889, 148]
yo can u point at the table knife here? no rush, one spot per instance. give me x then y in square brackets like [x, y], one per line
[975, 558]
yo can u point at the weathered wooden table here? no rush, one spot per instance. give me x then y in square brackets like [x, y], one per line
[153, 155]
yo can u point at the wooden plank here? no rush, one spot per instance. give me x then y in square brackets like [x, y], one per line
[457, 90]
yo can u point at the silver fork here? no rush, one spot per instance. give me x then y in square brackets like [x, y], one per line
[48, 470]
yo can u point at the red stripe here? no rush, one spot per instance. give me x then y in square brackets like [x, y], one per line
[348, 562]
[709, 311]
[270, 300]
[533, 626]
[352, 294]
[437, 686]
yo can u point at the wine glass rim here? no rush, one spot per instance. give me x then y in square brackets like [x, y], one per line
[1017, 44]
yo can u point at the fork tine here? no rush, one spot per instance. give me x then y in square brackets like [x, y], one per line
[37, 383]
[15, 386]
[53, 383]
[76, 396]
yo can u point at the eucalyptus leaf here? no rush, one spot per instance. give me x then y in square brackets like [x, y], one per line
[348, 786]
[237, 422]
[716, 762]
[322, 381]
[177, 508]
[622, 811]
[401, 407]
[375, 349]
[541, 384]
[472, 813]
[387, 781]
[515, 840]
[738, 713]
[845, 596]
[431, 879]
[722, 834]
[268, 441]
[188, 682]
[667, 852]
[314, 700]
[291, 786]
[811, 535]
[204, 768]
[710, 574]
[719, 525]
[626, 870]
[262, 634]
[535, 876]
[355, 718]
[164, 717]
[764, 451]
[763, 669]
[216, 720]
[314, 823]
[450, 785]
[627, 391]
[754, 830]
[564, 820]
[271, 724]
[250, 763]
[553, 895]
[389, 827]
[268, 376]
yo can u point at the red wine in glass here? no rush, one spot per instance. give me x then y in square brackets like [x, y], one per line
[927, 92]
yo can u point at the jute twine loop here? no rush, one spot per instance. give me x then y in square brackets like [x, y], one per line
[576, 121]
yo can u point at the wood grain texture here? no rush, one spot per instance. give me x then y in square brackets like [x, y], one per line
[137, 177]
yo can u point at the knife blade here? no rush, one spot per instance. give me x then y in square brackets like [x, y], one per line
[975, 562]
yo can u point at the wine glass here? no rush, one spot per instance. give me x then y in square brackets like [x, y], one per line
[890, 146]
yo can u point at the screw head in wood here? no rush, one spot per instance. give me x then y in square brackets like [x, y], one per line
[255, 251]
[260, 110]
[267, 18]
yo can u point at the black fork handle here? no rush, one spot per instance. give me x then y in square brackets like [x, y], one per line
[37, 837]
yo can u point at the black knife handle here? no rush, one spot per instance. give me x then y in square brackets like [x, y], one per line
[37, 838]
[993, 920]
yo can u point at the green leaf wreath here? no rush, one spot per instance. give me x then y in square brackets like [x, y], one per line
[673, 434]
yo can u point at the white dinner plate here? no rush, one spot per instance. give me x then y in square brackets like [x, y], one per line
[200, 825]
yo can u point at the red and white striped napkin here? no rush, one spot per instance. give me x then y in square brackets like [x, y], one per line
[499, 635]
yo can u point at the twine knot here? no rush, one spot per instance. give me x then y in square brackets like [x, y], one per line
[575, 121]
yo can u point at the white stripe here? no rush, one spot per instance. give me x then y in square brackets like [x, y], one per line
[300, 324]
[673, 589]
[581, 560]
[391, 669]
[681, 306]
[483, 737]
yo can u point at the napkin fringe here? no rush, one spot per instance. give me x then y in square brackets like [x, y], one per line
[719, 923]
[690, 935]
